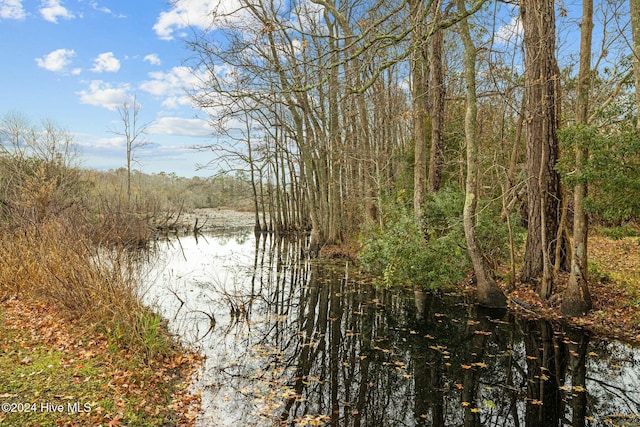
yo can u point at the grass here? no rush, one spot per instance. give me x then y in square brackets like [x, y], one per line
[50, 368]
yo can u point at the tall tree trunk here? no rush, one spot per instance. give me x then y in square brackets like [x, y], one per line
[438, 105]
[252, 170]
[489, 294]
[302, 131]
[543, 183]
[334, 202]
[419, 105]
[634, 7]
[576, 300]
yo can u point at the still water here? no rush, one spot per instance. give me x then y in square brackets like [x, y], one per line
[299, 343]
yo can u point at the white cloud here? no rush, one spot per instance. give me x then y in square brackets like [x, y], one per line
[510, 31]
[104, 143]
[51, 10]
[153, 59]
[197, 13]
[172, 86]
[56, 61]
[106, 62]
[12, 9]
[175, 102]
[96, 6]
[180, 126]
[169, 83]
[103, 94]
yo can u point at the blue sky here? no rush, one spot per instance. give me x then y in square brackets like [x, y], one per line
[76, 61]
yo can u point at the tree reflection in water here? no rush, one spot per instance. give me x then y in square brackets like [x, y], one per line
[304, 343]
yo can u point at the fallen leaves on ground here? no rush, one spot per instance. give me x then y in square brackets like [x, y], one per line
[70, 375]
[614, 285]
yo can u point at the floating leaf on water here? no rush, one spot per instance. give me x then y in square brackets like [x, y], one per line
[489, 404]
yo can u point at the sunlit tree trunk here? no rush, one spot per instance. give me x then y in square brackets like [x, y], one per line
[576, 300]
[543, 181]
[252, 171]
[489, 294]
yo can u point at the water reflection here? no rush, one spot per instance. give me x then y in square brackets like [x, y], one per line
[303, 343]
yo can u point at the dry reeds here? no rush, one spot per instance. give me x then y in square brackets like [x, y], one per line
[96, 286]
[55, 248]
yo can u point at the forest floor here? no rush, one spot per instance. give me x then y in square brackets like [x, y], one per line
[57, 373]
[614, 285]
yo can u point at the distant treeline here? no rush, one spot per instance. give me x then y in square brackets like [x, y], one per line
[170, 191]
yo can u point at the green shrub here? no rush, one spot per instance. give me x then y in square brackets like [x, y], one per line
[620, 232]
[612, 171]
[493, 234]
[430, 253]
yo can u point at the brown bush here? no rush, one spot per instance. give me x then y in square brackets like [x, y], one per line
[59, 247]
[54, 264]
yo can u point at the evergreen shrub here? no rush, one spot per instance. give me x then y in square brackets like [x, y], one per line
[432, 252]
[429, 253]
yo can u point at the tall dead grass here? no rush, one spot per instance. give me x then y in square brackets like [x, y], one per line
[97, 286]
[56, 249]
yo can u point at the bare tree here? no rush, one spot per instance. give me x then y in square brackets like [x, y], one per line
[489, 294]
[576, 299]
[133, 132]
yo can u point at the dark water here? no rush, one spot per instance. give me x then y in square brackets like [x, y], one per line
[299, 343]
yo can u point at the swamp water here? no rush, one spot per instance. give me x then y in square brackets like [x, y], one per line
[299, 343]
